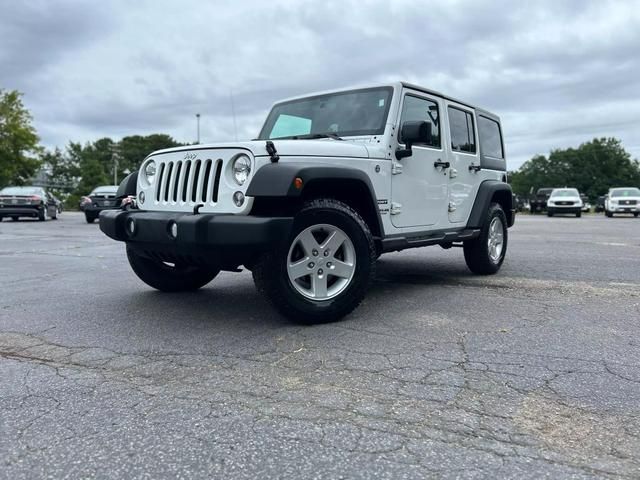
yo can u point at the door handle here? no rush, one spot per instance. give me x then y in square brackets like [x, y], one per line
[440, 163]
[475, 168]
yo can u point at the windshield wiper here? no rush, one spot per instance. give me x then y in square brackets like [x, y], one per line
[312, 136]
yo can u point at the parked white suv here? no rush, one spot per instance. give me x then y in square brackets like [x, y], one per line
[622, 200]
[565, 201]
[333, 181]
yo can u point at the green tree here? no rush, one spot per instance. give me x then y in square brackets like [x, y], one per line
[592, 168]
[18, 140]
[80, 168]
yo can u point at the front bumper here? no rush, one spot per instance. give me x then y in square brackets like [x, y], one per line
[562, 209]
[22, 211]
[208, 238]
[616, 208]
[98, 208]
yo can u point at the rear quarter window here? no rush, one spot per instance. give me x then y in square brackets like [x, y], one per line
[490, 138]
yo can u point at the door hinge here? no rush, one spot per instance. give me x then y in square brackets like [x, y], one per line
[452, 207]
[396, 168]
[396, 208]
[453, 173]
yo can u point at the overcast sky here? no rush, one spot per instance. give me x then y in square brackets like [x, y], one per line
[558, 72]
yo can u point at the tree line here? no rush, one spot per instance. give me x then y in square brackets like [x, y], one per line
[592, 167]
[71, 172]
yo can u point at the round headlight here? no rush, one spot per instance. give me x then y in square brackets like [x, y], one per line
[241, 169]
[150, 171]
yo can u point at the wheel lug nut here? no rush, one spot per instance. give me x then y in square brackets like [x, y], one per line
[315, 253]
[311, 265]
[320, 272]
[326, 253]
[329, 264]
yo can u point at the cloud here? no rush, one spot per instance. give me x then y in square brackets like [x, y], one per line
[558, 73]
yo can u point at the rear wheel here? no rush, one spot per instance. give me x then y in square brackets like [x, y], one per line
[43, 214]
[323, 270]
[484, 255]
[169, 277]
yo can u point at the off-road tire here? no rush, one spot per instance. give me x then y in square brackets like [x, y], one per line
[90, 218]
[272, 280]
[476, 251]
[166, 278]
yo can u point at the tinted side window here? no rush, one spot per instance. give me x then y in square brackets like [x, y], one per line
[463, 138]
[490, 138]
[421, 109]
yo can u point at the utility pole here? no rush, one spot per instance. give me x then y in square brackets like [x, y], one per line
[115, 154]
[198, 128]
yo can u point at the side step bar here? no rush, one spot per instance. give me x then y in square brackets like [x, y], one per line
[395, 244]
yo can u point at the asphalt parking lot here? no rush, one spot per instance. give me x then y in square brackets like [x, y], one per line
[532, 373]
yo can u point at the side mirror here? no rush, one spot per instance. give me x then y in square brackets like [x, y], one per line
[413, 132]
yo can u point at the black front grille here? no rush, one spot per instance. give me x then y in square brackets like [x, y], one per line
[195, 181]
[628, 202]
[564, 203]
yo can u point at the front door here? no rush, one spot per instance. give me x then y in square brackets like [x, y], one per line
[419, 188]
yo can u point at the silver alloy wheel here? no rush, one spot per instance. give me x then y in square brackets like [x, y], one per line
[321, 262]
[495, 240]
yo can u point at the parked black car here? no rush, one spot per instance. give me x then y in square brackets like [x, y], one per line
[539, 201]
[101, 198]
[600, 204]
[36, 202]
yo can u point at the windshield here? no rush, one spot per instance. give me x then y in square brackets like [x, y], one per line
[565, 193]
[21, 191]
[350, 113]
[104, 190]
[626, 192]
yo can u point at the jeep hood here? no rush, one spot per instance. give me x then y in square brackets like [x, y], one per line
[295, 148]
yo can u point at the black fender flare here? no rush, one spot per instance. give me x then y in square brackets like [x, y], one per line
[277, 180]
[128, 186]
[487, 191]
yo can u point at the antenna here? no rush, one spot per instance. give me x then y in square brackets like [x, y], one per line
[233, 114]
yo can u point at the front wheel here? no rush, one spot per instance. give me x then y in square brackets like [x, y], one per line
[89, 217]
[608, 213]
[323, 270]
[484, 255]
[169, 277]
[579, 214]
[636, 214]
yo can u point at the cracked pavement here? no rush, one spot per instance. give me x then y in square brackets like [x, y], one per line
[531, 373]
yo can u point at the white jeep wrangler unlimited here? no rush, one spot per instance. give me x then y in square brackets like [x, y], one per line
[333, 181]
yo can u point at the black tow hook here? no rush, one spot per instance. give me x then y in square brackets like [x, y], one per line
[197, 207]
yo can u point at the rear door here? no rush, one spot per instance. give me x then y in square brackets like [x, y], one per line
[463, 153]
[418, 187]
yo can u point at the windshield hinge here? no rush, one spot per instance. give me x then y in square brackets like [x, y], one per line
[396, 208]
[396, 168]
[273, 153]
